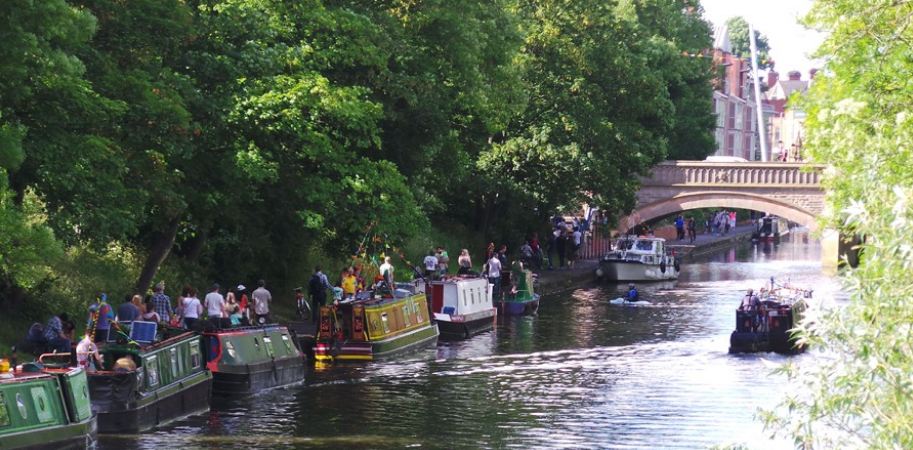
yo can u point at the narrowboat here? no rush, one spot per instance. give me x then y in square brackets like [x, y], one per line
[639, 259]
[519, 298]
[462, 307]
[770, 229]
[246, 360]
[769, 328]
[149, 376]
[45, 408]
[372, 326]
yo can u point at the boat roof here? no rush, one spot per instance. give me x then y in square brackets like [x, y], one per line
[19, 377]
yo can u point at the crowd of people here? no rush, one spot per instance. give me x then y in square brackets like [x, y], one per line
[235, 308]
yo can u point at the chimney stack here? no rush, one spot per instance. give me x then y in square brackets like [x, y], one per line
[772, 78]
[795, 75]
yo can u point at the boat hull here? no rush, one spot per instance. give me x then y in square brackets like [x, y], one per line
[520, 307]
[636, 271]
[250, 359]
[463, 329]
[182, 398]
[368, 351]
[71, 436]
[755, 342]
[257, 377]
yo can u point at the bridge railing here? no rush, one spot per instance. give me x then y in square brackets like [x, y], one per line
[703, 173]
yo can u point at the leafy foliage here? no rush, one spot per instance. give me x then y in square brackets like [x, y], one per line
[859, 394]
[236, 139]
[740, 42]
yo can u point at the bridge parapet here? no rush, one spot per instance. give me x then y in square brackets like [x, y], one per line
[694, 174]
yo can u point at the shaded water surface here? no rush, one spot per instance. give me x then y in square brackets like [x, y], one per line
[583, 373]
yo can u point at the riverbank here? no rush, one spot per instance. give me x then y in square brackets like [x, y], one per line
[558, 280]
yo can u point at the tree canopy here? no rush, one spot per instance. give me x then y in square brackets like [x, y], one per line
[740, 42]
[238, 138]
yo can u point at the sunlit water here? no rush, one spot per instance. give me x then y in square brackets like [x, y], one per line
[581, 374]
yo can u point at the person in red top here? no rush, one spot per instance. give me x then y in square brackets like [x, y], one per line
[537, 251]
[243, 303]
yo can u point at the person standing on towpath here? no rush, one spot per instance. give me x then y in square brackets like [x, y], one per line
[261, 298]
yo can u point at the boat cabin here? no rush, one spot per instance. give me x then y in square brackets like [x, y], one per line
[461, 296]
[643, 249]
[149, 376]
[47, 408]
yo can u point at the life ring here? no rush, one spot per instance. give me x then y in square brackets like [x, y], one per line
[662, 266]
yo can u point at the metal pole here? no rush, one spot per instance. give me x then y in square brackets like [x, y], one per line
[762, 135]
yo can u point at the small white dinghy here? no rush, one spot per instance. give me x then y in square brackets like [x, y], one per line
[623, 302]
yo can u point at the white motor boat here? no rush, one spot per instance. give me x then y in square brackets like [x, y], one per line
[639, 259]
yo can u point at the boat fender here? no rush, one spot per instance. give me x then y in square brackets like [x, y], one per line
[677, 266]
[662, 266]
[599, 272]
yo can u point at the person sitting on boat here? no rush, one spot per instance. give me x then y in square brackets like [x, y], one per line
[234, 313]
[633, 296]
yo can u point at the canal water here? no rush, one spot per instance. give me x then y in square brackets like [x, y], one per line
[581, 374]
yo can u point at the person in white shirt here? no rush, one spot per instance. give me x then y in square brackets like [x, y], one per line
[192, 307]
[494, 275]
[261, 298]
[215, 305]
[386, 271]
[430, 265]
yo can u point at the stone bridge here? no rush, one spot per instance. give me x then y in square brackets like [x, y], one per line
[789, 190]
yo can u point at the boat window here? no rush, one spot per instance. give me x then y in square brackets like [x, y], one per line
[42, 407]
[406, 321]
[20, 403]
[174, 362]
[383, 321]
[152, 371]
[195, 354]
[4, 413]
[268, 343]
[644, 245]
[465, 300]
[288, 343]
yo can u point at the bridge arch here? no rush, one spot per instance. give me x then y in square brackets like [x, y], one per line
[716, 199]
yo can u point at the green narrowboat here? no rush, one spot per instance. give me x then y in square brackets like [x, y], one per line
[149, 382]
[45, 409]
[369, 327]
[245, 360]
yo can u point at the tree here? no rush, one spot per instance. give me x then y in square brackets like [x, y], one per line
[741, 44]
[57, 171]
[599, 109]
[858, 393]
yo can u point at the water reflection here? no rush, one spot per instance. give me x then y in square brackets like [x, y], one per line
[582, 374]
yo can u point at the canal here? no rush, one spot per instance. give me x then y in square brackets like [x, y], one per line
[581, 374]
